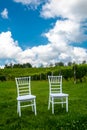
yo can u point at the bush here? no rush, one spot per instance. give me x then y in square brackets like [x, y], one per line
[2, 78]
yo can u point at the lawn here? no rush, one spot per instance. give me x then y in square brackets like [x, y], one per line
[75, 119]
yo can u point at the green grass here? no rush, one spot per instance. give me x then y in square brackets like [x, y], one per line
[75, 119]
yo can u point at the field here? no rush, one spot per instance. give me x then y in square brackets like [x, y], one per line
[75, 119]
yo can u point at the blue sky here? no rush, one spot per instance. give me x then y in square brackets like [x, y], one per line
[43, 33]
[25, 24]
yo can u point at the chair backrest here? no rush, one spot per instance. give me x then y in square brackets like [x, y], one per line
[23, 85]
[55, 84]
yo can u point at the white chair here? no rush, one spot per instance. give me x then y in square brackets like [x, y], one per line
[24, 94]
[55, 92]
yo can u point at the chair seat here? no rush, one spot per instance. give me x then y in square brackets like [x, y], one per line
[59, 95]
[26, 97]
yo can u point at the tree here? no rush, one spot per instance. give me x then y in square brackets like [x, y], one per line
[61, 64]
[25, 65]
[69, 63]
[84, 62]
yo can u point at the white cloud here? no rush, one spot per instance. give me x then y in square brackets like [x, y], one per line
[72, 9]
[30, 3]
[43, 54]
[69, 28]
[4, 14]
[8, 47]
[61, 37]
[66, 32]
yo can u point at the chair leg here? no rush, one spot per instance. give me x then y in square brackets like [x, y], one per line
[52, 105]
[35, 107]
[66, 104]
[19, 109]
[18, 106]
[49, 103]
[32, 102]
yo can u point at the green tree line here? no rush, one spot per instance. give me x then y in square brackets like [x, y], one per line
[75, 72]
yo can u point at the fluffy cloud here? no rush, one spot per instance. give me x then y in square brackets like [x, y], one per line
[72, 19]
[31, 3]
[68, 31]
[12, 53]
[72, 9]
[8, 47]
[4, 14]
[43, 54]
